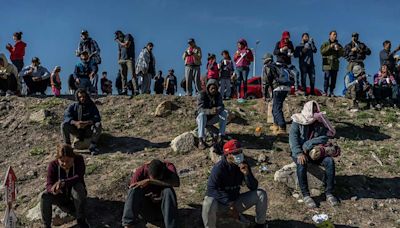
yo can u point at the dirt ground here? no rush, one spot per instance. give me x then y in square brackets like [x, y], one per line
[369, 192]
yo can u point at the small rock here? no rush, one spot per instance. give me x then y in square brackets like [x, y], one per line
[59, 216]
[354, 198]
[361, 143]
[300, 201]
[398, 221]
[262, 158]
[370, 223]
[214, 156]
[39, 116]
[315, 192]
[183, 143]
[165, 108]
[296, 195]
[390, 125]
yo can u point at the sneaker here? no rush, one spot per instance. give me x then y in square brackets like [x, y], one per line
[310, 203]
[274, 128]
[93, 149]
[9, 93]
[202, 145]
[332, 200]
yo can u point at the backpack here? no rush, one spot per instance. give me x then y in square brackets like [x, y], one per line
[283, 76]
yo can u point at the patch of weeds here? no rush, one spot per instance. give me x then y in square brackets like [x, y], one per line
[364, 115]
[91, 168]
[47, 104]
[37, 151]
[390, 117]
[384, 152]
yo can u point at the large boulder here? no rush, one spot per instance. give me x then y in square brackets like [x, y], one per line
[165, 108]
[59, 217]
[39, 116]
[288, 176]
[183, 143]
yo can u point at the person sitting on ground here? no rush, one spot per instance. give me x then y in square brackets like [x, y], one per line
[159, 83]
[210, 110]
[171, 83]
[84, 71]
[82, 119]
[385, 86]
[8, 77]
[36, 77]
[309, 129]
[65, 186]
[55, 81]
[223, 189]
[105, 84]
[357, 87]
[151, 195]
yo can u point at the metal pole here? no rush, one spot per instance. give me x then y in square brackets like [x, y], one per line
[255, 58]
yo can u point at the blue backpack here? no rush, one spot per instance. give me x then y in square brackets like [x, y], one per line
[283, 76]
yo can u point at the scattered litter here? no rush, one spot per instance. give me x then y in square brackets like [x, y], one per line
[322, 221]
[264, 168]
[376, 158]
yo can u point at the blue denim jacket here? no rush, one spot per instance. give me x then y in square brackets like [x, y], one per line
[298, 137]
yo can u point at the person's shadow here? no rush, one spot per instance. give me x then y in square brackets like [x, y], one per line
[354, 132]
[126, 144]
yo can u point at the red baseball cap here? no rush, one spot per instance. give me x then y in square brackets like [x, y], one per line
[232, 146]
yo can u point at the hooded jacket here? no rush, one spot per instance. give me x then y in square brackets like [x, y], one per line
[225, 180]
[356, 56]
[82, 112]
[18, 51]
[39, 71]
[143, 62]
[10, 70]
[205, 101]
[194, 59]
[309, 129]
[284, 57]
[243, 57]
[330, 56]
[75, 175]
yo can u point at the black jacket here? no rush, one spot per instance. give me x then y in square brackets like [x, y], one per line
[358, 56]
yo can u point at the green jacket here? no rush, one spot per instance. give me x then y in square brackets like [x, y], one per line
[330, 56]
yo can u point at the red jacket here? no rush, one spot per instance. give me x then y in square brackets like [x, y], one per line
[142, 173]
[212, 70]
[18, 51]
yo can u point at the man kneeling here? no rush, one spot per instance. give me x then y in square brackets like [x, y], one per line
[82, 119]
[65, 186]
[151, 195]
[223, 189]
[308, 140]
[211, 110]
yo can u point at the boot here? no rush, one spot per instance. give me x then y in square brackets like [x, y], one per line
[202, 145]
[274, 128]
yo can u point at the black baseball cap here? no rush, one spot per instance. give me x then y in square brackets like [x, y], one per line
[354, 34]
[191, 40]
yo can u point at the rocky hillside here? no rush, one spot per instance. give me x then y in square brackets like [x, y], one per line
[367, 172]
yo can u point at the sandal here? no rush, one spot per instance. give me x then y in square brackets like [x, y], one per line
[310, 203]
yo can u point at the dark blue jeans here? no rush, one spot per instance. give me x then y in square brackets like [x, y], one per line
[138, 204]
[242, 75]
[329, 177]
[310, 71]
[330, 81]
[278, 97]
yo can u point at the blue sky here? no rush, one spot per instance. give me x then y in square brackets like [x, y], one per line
[52, 28]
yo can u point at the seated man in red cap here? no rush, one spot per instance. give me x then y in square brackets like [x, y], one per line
[223, 189]
[151, 196]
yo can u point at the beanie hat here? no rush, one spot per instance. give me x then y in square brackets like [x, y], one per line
[231, 146]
